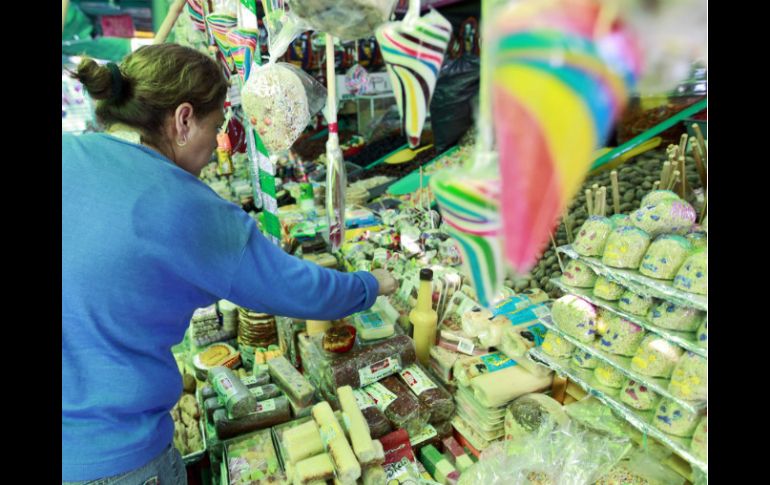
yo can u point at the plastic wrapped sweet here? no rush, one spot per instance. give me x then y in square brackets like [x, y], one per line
[656, 357]
[689, 381]
[607, 289]
[279, 100]
[638, 396]
[583, 360]
[622, 337]
[592, 236]
[579, 274]
[555, 346]
[576, 317]
[634, 303]
[609, 376]
[357, 80]
[699, 445]
[625, 247]
[670, 216]
[703, 334]
[620, 220]
[657, 196]
[665, 256]
[693, 277]
[347, 20]
[675, 317]
[532, 413]
[641, 468]
[673, 419]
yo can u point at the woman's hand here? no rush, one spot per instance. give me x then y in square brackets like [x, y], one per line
[388, 284]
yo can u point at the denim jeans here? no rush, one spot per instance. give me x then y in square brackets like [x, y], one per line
[165, 469]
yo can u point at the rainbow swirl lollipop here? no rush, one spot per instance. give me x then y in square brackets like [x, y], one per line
[413, 50]
[219, 25]
[243, 44]
[470, 209]
[561, 74]
[195, 11]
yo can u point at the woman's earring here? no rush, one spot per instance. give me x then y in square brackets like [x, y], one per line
[183, 143]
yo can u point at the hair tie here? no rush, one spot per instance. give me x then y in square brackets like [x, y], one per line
[117, 81]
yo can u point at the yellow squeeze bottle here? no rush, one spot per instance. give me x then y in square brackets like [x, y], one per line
[423, 318]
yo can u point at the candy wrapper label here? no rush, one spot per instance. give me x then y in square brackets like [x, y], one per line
[465, 346]
[416, 379]
[378, 370]
[381, 395]
[256, 392]
[497, 361]
[427, 433]
[363, 400]
[266, 406]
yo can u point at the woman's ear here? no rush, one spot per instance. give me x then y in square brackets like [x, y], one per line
[182, 120]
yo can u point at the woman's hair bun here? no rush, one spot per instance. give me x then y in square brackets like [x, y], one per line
[95, 78]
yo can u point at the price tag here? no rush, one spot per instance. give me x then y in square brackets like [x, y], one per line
[465, 346]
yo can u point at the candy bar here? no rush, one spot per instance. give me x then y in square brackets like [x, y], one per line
[438, 466]
[358, 429]
[437, 400]
[290, 380]
[347, 468]
[317, 468]
[302, 442]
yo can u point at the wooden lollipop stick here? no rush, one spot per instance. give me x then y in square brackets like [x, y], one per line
[615, 191]
[598, 202]
[701, 140]
[704, 211]
[589, 202]
[558, 258]
[665, 174]
[173, 13]
[683, 145]
[656, 185]
[696, 153]
[568, 227]
[672, 181]
[683, 174]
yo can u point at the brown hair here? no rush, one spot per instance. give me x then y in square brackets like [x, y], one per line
[155, 79]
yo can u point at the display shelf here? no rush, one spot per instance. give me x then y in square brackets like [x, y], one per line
[686, 340]
[680, 446]
[623, 365]
[639, 283]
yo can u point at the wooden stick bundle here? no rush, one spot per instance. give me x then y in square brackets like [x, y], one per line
[683, 174]
[589, 202]
[615, 191]
[568, 227]
[701, 141]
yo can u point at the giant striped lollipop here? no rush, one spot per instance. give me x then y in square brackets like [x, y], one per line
[561, 73]
[413, 50]
[470, 208]
[195, 11]
[243, 44]
[219, 25]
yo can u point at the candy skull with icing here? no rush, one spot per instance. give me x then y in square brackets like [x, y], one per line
[579, 274]
[609, 376]
[637, 396]
[583, 360]
[689, 380]
[698, 239]
[665, 256]
[622, 337]
[625, 247]
[693, 276]
[555, 346]
[670, 216]
[634, 303]
[620, 220]
[656, 357]
[576, 317]
[592, 235]
[607, 289]
[675, 317]
[673, 419]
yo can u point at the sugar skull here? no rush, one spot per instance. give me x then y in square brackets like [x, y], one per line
[656, 357]
[693, 276]
[675, 317]
[576, 317]
[698, 239]
[622, 336]
[625, 247]
[583, 360]
[657, 196]
[606, 375]
[703, 334]
[555, 346]
[665, 256]
[592, 236]
[637, 396]
[700, 439]
[634, 303]
[579, 274]
[670, 216]
[673, 419]
[690, 378]
[607, 289]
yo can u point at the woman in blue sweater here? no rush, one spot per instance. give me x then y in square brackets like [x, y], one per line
[145, 243]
